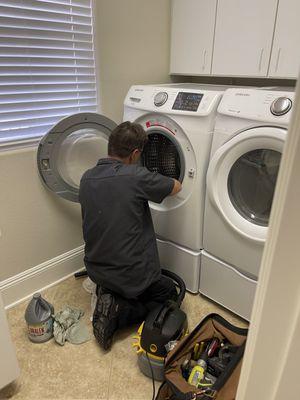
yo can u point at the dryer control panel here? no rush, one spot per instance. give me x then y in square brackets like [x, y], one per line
[174, 99]
[281, 105]
[258, 104]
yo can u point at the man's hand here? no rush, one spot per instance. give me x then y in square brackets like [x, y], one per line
[177, 187]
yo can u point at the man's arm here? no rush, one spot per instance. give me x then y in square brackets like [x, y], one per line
[176, 188]
[154, 186]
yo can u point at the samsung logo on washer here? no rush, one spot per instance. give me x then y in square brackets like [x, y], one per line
[242, 94]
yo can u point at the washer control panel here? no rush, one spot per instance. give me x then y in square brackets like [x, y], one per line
[179, 99]
[281, 106]
[187, 101]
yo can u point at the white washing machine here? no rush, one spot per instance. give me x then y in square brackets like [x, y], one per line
[179, 121]
[250, 131]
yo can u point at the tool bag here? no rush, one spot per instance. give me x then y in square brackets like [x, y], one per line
[176, 387]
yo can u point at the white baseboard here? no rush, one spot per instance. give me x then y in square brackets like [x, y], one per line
[18, 288]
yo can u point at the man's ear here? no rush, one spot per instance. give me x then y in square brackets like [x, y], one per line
[134, 156]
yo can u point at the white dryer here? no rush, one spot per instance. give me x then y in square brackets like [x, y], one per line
[250, 132]
[179, 121]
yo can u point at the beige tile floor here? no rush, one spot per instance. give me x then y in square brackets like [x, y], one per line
[50, 371]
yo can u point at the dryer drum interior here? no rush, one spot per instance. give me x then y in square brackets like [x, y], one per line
[163, 155]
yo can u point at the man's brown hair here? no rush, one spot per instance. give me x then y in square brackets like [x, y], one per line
[125, 138]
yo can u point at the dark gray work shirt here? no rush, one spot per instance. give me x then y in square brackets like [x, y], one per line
[120, 246]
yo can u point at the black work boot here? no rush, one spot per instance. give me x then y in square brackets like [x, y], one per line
[105, 321]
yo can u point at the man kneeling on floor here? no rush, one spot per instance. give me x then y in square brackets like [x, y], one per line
[121, 254]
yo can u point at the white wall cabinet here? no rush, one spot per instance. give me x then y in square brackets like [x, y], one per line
[236, 38]
[243, 37]
[192, 34]
[285, 59]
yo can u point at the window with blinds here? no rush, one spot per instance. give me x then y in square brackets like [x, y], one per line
[47, 66]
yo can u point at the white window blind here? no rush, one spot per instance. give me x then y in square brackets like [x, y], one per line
[47, 66]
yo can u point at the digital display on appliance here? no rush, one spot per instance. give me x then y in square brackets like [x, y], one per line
[187, 101]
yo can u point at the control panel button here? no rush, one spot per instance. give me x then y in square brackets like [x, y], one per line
[281, 106]
[160, 99]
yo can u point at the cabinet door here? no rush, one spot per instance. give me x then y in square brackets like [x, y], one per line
[192, 34]
[285, 59]
[243, 37]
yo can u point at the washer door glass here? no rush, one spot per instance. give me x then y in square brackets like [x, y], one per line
[78, 152]
[161, 154]
[71, 147]
[251, 184]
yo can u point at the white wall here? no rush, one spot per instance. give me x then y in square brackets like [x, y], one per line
[133, 38]
[271, 363]
[35, 226]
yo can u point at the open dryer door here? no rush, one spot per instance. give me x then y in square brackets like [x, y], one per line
[71, 147]
[241, 179]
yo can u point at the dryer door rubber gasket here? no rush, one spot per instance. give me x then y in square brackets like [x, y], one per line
[70, 148]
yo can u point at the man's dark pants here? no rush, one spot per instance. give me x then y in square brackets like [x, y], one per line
[132, 311]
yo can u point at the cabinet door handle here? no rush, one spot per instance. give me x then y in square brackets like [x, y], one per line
[204, 59]
[277, 60]
[260, 59]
